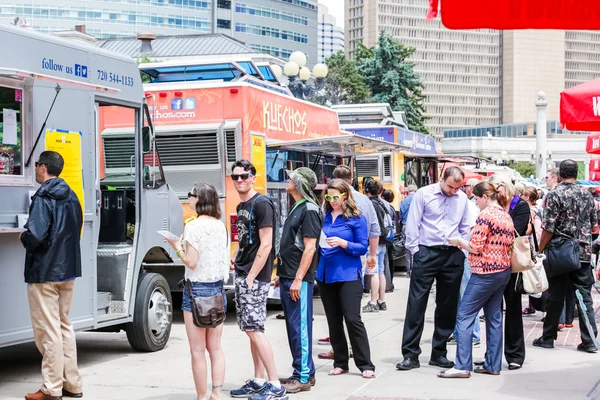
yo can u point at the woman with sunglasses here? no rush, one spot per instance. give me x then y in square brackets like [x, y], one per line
[344, 238]
[205, 252]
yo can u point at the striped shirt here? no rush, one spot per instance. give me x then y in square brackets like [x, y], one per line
[492, 239]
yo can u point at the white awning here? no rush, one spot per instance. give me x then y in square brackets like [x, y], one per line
[341, 146]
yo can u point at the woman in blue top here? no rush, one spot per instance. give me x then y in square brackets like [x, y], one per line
[344, 239]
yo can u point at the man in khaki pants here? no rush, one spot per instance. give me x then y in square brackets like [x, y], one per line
[52, 263]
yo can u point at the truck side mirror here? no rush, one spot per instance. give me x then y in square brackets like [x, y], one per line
[146, 134]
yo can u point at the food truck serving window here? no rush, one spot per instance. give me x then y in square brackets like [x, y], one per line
[11, 156]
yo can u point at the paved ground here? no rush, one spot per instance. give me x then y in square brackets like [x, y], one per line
[111, 370]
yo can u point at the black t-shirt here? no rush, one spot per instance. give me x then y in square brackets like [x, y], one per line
[305, 221]
[263, 215]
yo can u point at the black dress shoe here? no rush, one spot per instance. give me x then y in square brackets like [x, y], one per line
[540, 342]
[66, 393]
[587, 348]
[407, 364]
[514, 366]
[441, 362]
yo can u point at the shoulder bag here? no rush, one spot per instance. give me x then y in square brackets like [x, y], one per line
[533, 280]
[562, 255]
[208, 312]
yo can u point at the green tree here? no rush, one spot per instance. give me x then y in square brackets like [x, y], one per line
[393, 80]
[344, 84]
[525, 168]
[144, 60]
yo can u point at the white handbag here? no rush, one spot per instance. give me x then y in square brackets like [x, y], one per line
[533, 280]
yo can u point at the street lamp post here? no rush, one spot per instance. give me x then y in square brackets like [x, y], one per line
[298, 75]
[540, 139]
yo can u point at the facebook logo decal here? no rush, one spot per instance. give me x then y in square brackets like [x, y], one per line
[177, 104]
[81, 70]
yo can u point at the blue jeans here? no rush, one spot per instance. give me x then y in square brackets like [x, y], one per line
[463, 286]
[483, 291]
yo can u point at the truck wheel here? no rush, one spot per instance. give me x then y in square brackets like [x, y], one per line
[151, 326]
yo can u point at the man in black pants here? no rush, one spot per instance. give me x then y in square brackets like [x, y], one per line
[437, 212]
[570, 212]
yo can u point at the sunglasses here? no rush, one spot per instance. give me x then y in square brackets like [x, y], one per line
[335, 197]
[244, 177]
[190, 194]
[39, 164]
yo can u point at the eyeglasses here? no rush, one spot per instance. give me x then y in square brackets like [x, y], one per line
[244, 177]
[38, 164]
[334, 197]
[190, 195]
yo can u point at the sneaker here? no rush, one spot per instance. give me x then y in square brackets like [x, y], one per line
[270, 392]
[250, 388]
[382, 306]
[370, 307]
[324, 341]
[528, 311]
[451, 340]
[568, 325]
[561, 327]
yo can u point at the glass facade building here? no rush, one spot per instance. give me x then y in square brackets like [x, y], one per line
[509, 130]
[276, 27]
[330, 36]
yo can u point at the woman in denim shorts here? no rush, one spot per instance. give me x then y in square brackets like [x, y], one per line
[204, 250]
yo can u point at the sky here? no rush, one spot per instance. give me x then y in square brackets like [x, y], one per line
[336, 8]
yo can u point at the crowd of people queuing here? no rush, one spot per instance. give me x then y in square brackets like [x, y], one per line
[458, 235]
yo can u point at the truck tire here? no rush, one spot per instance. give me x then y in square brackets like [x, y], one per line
[152, 318]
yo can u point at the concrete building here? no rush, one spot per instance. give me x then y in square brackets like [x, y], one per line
[276, 27]
[330, 36]
[478, 77]
[518, 141]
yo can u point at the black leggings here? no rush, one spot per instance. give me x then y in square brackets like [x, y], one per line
[341, 301]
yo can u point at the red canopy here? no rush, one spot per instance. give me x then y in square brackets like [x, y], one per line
[593, 143]
[468, 173]
[595, 165]
[580, 107]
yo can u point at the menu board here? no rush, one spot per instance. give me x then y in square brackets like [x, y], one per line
[68, 145]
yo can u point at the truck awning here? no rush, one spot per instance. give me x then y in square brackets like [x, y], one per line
[340, 146]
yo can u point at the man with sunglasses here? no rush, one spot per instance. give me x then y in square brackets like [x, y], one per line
[253, 263]
[52, 262]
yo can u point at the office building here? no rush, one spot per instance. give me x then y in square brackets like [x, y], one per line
[276, 27]
[460, 69]
[478, 77]
[330, 36]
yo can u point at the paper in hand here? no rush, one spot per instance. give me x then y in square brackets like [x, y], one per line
[168, 235]
[323, 241]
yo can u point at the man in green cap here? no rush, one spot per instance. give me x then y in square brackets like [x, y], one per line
[296, 271]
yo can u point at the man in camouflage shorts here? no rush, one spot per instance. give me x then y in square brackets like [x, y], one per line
[253, 263]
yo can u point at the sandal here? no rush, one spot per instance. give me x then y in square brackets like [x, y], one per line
[338, 371]
[368, 374]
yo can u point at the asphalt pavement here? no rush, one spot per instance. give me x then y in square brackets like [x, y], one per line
[111, 370]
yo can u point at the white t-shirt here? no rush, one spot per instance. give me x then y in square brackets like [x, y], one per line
[210, 239]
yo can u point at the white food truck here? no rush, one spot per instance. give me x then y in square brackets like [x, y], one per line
[55, 95]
